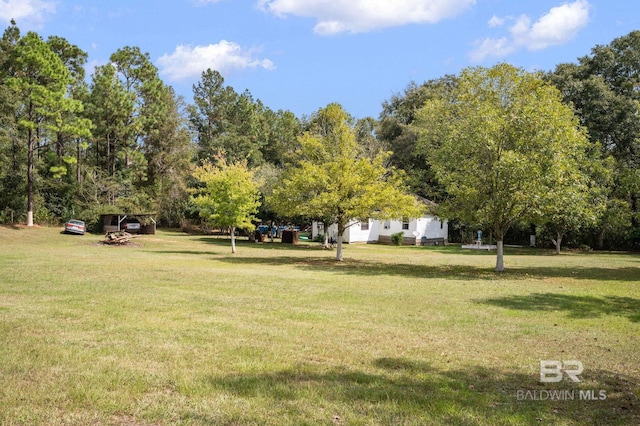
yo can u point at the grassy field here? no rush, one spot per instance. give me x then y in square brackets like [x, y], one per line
[177, 330]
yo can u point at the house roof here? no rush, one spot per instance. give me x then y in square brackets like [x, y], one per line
[426, 201]
[430, 205]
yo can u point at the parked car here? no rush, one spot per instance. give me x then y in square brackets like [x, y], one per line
[131, 225]
[74, 226]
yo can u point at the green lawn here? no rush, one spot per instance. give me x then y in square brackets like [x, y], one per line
[177, 330]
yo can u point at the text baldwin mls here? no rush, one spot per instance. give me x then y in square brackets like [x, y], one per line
[552, 371]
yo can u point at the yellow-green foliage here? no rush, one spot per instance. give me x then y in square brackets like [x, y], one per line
[230, 197]
[335, 182]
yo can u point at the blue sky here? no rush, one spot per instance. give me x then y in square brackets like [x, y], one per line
[301, 55]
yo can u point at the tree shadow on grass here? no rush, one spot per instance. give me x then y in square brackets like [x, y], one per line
[575, 306]
[187, 252]
[244, 243]
[314, 258]
[454, 249]
[453, 272]
[404, 391]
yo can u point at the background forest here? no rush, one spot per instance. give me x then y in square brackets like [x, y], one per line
[121, 140]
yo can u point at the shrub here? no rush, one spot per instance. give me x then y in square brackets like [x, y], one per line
[397, 239]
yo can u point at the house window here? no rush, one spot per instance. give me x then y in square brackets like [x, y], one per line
[364, 226]
[441, 225]
[405, 223]
[387, 224]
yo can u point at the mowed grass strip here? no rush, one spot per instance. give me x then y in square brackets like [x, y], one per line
[177, 330]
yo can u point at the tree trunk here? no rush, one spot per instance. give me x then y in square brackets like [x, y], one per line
[500, 256]
[30, 168]
[108, 157]
[59, 147]
[557, 242]
[339, 249]
[601, 239]
[233, 239]
[98, 152]
[341, 229]
[78, 158]
[16, 149]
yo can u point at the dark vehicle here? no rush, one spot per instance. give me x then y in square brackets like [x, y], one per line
[74, 226]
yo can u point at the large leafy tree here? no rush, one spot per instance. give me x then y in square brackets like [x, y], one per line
[229, 198]
[603, 88]
[395, 131]
[333, 181]
[577, 199]
[497, 145]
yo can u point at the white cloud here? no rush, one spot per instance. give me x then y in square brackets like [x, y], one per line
[556, 27]
[499, 47]
[496, 21]
[189, 62]
[29, 11]
[359, 16]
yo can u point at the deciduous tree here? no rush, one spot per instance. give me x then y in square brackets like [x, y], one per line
[333, 181]
[577, 198]
[229, 198]
[494, 144]
[603, 88]
[394, 130]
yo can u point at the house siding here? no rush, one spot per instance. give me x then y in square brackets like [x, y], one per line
[429, 227]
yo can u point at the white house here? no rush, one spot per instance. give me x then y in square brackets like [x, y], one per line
[425, 230]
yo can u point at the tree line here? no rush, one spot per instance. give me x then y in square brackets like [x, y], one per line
[123, 141]
[602, 89]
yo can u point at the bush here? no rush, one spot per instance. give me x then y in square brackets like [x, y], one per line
[397, 239]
